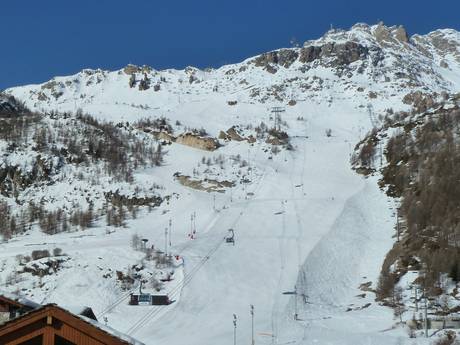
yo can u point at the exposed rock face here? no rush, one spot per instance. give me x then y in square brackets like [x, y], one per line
[232, 134]
[283, 57]
[45, 266]
[310, 54]
[419, 100]
[344, 53]
[9, 106]
[196, 141]
[384, 34]
[55, 88]
[276, 137]
[164, 136]
[206, 185]
[401, 34]
[13, 179]
[133, 69]
[270, 69]
[118, 200]
[440, 42]
[189, 139]
[286, 57]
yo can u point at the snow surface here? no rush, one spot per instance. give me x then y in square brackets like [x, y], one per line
[306, 222]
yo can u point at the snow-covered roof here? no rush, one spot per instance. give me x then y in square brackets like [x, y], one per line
[19, 299]
[111, 331]
[78, 309]
[106, 329]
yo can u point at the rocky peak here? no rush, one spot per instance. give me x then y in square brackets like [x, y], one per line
[440, 42]
[384, 34]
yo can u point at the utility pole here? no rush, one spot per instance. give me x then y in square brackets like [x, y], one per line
[170, 230]
[191, 227]
[252, 324]
[166, 242]
[249, 166]
[295, 303]
[425, 307]
[426, 318]
[194, 223]
[234, 329]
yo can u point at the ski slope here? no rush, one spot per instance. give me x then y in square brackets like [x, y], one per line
[309, 216]
[309, 230]
[307, 221]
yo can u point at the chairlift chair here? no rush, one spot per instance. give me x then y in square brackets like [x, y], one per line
[231, 237]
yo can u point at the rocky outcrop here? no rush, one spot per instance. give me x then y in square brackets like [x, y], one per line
[164, 136]
[198, 142]
[13, 179]
[276, 137]
[188, 139]
[420, 101]
[45, 266]
[10, 106]
[133, 69]
[283, 57]
[124, 200]
[384, 34]
[206, 185]
[343, 53]
[401, 34]
[233, 134]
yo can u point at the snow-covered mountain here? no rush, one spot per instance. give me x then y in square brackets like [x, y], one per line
[262, 147]
[375, 64]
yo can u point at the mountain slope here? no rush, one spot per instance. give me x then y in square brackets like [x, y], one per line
[305, 222]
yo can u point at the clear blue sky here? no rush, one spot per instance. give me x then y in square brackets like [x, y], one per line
[41, 39]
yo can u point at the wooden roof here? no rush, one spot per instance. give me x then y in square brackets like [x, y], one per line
[90, 328]
[18, 302]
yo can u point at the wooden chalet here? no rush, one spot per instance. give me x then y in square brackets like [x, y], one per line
[12, 306]
[53, 325]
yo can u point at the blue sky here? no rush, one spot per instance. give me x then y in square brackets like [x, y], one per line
[41, 39]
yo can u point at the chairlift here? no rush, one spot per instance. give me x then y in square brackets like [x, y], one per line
[231, 237]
